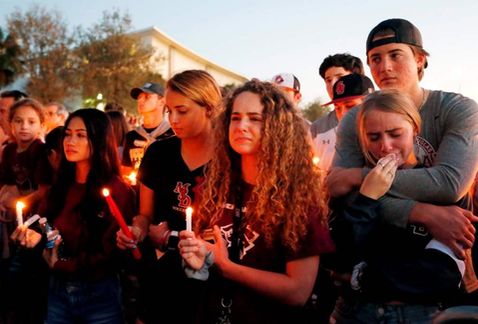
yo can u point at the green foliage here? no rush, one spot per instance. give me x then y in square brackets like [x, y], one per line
[62, 65]
[10, 64]
[112, 61]
[227, 90]
[45, 49]
[314, 110]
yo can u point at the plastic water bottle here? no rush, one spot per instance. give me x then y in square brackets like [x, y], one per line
[50, 232]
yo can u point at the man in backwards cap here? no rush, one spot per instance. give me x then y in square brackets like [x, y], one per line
[150, 103]
[446, 146]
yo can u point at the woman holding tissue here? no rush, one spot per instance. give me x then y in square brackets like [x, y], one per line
[264, 200]
[404, 271]
[84, 285]
[169, 174]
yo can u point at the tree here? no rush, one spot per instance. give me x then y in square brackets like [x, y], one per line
[10, 64]
[314, 110]
[45, 49]
[112, 61]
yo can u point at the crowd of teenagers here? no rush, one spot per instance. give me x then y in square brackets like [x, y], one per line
[227, 206]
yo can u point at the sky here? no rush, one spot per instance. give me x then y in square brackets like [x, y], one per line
[260, 38]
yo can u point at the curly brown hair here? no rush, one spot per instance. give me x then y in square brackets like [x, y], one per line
[289, 188]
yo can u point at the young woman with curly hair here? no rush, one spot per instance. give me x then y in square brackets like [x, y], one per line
[264, 200]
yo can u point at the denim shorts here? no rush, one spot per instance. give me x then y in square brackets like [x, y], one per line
[84, 302]
[349, 311]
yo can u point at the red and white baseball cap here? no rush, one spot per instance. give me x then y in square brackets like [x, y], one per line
[287, 80]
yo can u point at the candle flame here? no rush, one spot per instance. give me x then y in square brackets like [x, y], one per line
[20, 205]
[106, 192]
[189, 211]
[132, 178]
[315, 160]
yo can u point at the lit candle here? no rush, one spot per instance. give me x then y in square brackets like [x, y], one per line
[19, 208]
[189, 219]
[120, 219]
[316, 160]
[132, 178]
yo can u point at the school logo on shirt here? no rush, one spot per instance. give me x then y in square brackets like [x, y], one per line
[417, 229]
[249, 236]
[424, 151]
[136, 155]
[182, 189]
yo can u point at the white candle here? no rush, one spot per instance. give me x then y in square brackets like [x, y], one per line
[189, 219]
[31, 220]
[19, 208]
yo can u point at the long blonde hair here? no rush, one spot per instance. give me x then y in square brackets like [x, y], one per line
[200, 87]
[289, 189]
[391, 101]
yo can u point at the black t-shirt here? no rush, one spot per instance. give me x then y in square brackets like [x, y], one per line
[22, 169]
[398, 265]
[163, 170]
[136, 144]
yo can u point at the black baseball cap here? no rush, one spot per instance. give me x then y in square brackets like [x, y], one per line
[148, 87]
[404, 32]
[350, 87]
[17, 94]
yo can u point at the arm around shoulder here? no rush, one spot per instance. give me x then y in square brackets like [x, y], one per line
[456, 162]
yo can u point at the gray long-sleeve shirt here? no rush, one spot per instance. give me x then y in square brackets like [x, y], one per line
[448, 143]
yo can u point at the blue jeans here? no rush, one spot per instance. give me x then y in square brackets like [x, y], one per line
[347, 311]
[84, 302]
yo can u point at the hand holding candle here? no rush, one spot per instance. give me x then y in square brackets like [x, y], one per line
[19, 209]
[120, 219]
[189, 219]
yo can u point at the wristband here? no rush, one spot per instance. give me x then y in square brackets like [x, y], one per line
[173, 240]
